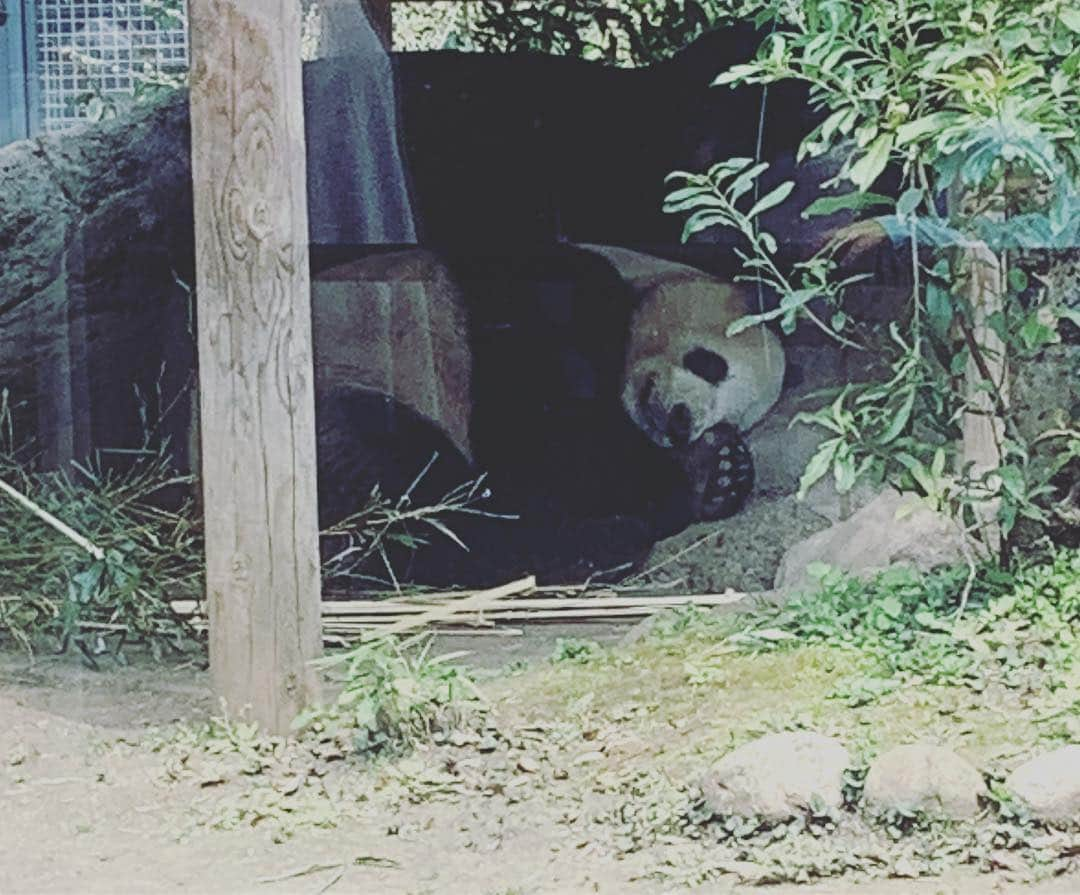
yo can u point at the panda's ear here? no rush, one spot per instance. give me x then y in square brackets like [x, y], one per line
[707, 365]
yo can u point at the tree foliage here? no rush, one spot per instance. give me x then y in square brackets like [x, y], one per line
[976, 104]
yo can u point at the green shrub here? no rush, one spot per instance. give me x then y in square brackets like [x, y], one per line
[975, 104]
[911, 625]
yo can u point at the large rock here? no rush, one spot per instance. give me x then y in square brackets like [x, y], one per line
[925, 778]
[94, 235]
[777, 777]
[892, 529]
[1049, 786]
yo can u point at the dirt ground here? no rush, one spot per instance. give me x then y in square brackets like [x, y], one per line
[741, 553]
[91, 805]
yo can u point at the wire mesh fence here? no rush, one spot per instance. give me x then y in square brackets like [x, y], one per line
[92, 55]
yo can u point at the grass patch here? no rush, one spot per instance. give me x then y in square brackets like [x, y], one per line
[876, 663]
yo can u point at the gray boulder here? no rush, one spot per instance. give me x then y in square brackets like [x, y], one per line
[892, 529]
[925, 778]
[1049, 786]
[777, 777]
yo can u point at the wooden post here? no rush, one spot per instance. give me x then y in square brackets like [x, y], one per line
[255, 356]
[983, 425]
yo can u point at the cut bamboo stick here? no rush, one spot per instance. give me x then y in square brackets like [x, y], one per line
[331, 610]
[468, 611]
[481, 600]
[512, 615]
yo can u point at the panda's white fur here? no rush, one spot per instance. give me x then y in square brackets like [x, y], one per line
[682, 309]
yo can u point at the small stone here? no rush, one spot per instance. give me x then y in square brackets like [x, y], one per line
[924, 778]
[461, 738]
[778, 777]
[1049, 786]
[212, 777]
[746, 871]
[487, 744]
[1006, 860]
[528, 765]
[905, 868]
[289, 786]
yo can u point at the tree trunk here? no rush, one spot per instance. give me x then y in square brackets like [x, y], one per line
[255, 355]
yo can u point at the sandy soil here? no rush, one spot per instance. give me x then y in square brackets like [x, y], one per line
[90, 807]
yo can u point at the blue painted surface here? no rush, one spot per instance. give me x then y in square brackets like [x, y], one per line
[17, 120]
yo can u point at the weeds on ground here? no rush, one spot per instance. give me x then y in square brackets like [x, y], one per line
[912, 625]
[146, 523]
[622, 761]
[575, 649]
[393, 694]
[394, 697]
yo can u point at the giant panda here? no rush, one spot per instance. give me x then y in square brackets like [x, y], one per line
[687, 385]
[596, 388]
[609, 402]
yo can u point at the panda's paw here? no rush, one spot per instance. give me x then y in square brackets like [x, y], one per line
[720, 469]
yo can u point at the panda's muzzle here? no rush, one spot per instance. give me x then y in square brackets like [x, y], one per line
[679, 425]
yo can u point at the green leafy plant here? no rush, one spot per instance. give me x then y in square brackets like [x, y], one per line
[910, 625]
[975, 105]
[613, 31]
[144, 519]
[712, 200]
[575, 649]
[393, 694]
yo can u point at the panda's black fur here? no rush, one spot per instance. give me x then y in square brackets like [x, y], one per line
[548, 330]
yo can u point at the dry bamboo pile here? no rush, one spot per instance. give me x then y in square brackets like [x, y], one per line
[519, 602]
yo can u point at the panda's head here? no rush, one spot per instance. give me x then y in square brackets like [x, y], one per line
[684, 378]
[695, 397]
[674, 399]
[686, 383]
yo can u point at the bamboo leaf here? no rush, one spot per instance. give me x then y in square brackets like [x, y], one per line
[867, 169]
[772, 199]
[827, 205]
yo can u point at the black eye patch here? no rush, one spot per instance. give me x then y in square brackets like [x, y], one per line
[707, 365]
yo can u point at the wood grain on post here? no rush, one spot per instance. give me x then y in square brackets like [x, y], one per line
[255, 355]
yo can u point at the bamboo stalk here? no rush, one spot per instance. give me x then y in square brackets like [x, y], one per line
[515, 615]
[337, 596]
[534, 603]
